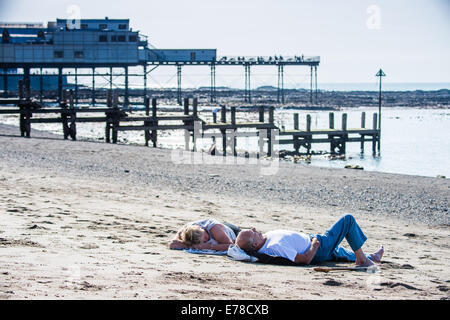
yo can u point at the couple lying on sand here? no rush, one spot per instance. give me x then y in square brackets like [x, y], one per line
[298, 248]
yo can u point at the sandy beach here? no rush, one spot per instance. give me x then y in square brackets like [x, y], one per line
[90, 220]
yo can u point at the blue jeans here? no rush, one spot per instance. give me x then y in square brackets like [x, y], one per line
[329, 250]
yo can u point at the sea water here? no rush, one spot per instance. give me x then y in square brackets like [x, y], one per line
[413, 141]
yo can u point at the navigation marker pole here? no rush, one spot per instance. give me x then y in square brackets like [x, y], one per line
[380, 74]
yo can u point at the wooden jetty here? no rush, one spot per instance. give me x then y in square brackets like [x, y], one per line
[117, 120]
[336, 138]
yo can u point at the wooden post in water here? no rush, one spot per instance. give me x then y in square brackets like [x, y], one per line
[116, 116]
[308, 123]
[331, 120]
[330, 137]
[233, 122]
[309, 137]
[147, 106]
[223, 114]
[108, 117]
[192, 122]
[27, 121]
[21, 89]
[295, 137]
[261, 113]
[271, 115]
[223, 119]
[296, 121]
[73, 117]
[154, 104]
[345, 135]
[269, 131]
[186, 112]
[195, 107]
[22, 109]
[186, 106]
[64, 112]
[374, 136]
[363, 126]
[195, 115]
[154, 136]
[146, 123]
[233, 116]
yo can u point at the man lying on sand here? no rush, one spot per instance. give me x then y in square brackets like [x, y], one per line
[208, 234]
[306, 249]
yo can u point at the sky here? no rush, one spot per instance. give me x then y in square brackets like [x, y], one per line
[408, 39]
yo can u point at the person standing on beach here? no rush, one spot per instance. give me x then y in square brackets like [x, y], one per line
[207, 234]
[307, 249]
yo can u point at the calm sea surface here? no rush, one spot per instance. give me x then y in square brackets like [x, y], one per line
[413, 141]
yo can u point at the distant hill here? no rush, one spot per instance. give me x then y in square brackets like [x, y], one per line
[267, 88]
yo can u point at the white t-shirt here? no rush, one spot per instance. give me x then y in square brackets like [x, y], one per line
[285, 243]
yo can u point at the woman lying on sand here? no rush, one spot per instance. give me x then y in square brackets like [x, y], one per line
[208, 234]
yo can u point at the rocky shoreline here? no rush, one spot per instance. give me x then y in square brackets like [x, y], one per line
[294, 99]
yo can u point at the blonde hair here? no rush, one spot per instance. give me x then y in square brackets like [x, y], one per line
[192, 235]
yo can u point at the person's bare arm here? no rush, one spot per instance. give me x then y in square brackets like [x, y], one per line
[307, 257]
[176, 241]
[218, 233]
[210, 246]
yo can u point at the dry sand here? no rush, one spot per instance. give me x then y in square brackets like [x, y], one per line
[92, 220]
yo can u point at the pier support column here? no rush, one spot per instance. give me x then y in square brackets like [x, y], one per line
[247, 90]
[126, 98]
[280, 92]
[110, 78]
[60, 84]
[179, 85]
[93, 86]
[41, 86]
[26, 82]
[213, 82]
[315, 76]
[145, 81]
[311, 86]
[76, 87]
[5, 83]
